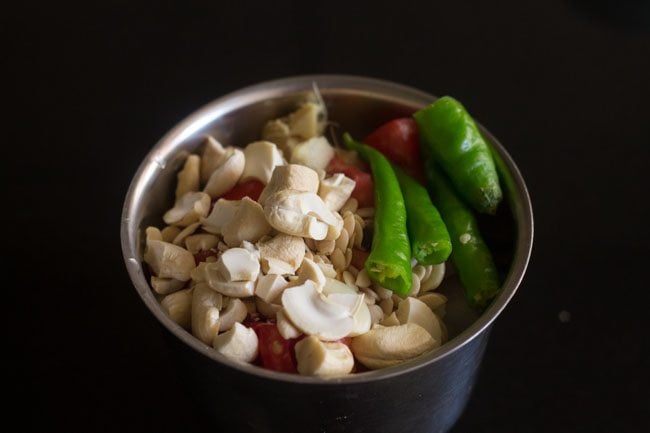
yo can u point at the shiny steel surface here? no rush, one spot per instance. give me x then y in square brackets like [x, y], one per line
[440, 381]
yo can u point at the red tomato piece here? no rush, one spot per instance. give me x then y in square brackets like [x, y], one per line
[276, 353]
[399, 141]
[250, 188]
[364, 191]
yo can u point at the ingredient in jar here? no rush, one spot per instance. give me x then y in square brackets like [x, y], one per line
[470, 254]
[430, 243]
[451, 136]
[389, 262]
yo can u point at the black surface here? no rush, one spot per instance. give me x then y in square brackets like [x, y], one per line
[564, 85]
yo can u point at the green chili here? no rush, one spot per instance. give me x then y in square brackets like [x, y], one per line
[430, 243]
[450, 134]
[389, 262]
[470, 254]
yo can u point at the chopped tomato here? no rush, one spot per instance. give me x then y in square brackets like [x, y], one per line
[250, 188]
[364, 189]
[359, 258]
[276, 353]
[399, 141]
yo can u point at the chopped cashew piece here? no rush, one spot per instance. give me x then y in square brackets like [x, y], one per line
[188, 209]
[434, 279]
[213, 151]
[201, 241]
[267, 309]
[312, 313]
[205, 312]
[235, 289]
[336, 190]
[316, 358]
[222, 213]
[239, 344]
[310, 271]
[261, 158]
[385, 346]
[307, 122]
[285, 327]
[335, 286]
[433, 300]
[178, 307]
[282, 253]
[270, 287]
[277, 131]
[187, 231]
[411, 310]
[315, 153]
[247, 224]
[227, 174]
[376, 314]
[290, 176]
[390, 320]
[235, 312]
[168, 260]
[238, 264]
[169, 233]
[165, 286]
[153, 234]
[302, 214]
[188, 177]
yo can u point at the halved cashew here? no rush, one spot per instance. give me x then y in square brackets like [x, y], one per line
[385, 346]
[267, 309]
[188, 177]
[239, 344]
[282, 254]
[153, 234]
[302, 214]
[307, 121]
[277, 131]
[411, 310]
[316, 358]
[336, 190]
[165, 286]
[178, 307]
[187, 231]
[222, 213]
[211, 275]
[235, 312]
[290, 176]
[312, 313]
[261, 159]
[270, 287]
[315, 153]
[188, 209]
[205, 312]
[247, 224]
[227, 174]
[376, 314]
[238, 264]
[310, 271]
[285, 327]
[390, 320]
[169, 233]
[328, 269]
[168, 260]
[433, 300]
[434, 279]
[201, 242]
[213, 151]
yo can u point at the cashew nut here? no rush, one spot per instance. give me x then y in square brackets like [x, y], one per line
[411, 310]
[270, 287]
[290, 176]
[213, 151]
[201, 242]
[168, 260]
[316, 358]
[261, 158]
[178, 307]
[222, 213]
[285, 327]
[247, 224]
[205, 312]
[165, 286]
[282, 254]
[385, 346]
[239, 343]
[235, 312]
[238, 264]
[315, 153]
[188, 177]
[227, 174]
[336, 190]
[188, 209]
[302, 214]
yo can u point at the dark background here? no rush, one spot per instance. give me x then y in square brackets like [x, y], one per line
[564, 85]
